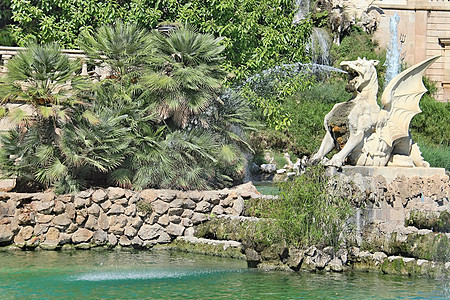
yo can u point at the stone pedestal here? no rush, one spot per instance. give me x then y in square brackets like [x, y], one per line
[390, 173]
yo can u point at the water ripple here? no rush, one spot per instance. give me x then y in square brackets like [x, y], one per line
[143, 275]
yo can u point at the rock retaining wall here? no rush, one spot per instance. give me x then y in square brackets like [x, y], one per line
[111, 217]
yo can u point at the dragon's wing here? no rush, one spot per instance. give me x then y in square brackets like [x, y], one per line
[401, 100]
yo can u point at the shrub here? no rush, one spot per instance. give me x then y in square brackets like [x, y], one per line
[140, 128]
[432, 126]
[438, 157]
[279, 160]
[311, 106]
[306, 212]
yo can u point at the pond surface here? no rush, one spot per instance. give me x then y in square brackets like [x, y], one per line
[267, 187]
[162, 274]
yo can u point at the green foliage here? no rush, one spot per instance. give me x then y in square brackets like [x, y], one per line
[63, 155]
[184, 74]
[430, 128]
[144, 206]
[46, 147]
[123, 47]
[269, 91]
[320, 19]
[437, 156]
[311, 106]
[306, 213]
[257, 34]
[432, 125]
[6, 38]
[40, 76]
[53, 20]
[279, 160]
[357, 44]
[271, 139]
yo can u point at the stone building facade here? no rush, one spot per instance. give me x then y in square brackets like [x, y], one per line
[425, 29]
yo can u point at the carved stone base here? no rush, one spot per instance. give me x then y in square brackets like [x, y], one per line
[390, 173]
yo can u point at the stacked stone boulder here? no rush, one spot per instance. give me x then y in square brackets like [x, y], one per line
[111, 217]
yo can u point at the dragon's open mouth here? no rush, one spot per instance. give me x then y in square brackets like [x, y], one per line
[353, 78]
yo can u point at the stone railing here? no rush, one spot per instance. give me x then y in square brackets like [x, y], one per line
[94, 72]
[442, 5]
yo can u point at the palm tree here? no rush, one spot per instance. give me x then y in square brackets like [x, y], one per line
[184, 74]
[44, 78]
[67, 139]
[123, 47]
[67, 162]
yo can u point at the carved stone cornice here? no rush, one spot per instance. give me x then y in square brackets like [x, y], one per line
[444, 42]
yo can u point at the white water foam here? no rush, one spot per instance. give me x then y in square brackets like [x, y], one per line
[141, 275]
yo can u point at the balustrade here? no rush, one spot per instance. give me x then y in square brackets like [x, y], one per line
[94, 72]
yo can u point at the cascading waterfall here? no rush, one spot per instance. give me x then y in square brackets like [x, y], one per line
[319, 46]
[393, 54]
[302, 7]
[319, 43]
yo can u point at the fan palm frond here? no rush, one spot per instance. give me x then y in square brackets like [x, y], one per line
[122, 46]
[184, 75]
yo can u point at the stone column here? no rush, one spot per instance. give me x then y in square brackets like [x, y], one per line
[84, 70]
[6, 58]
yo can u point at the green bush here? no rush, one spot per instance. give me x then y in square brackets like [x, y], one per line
[437, 156]
[158, 124]
[306, 213]
[256, 34]
[310, 107]
[268, 93]
[357, 44]
[272, 139]
[279, 160]
[432, 126]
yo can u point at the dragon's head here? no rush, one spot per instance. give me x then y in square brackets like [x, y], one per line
[360, 73]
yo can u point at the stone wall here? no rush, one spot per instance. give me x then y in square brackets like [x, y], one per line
[401, 226]
[111, 217]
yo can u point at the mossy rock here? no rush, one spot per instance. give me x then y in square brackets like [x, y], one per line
[413, 267]
[247, 231]
[207, 249]
[396, 266]
[436, 221]
[432, 246]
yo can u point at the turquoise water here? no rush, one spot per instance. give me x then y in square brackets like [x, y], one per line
[267, 187]
[172, 275]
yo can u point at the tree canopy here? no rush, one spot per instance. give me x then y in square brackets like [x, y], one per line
[256, 34]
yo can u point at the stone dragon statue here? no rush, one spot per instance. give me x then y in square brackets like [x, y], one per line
[368, 135]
